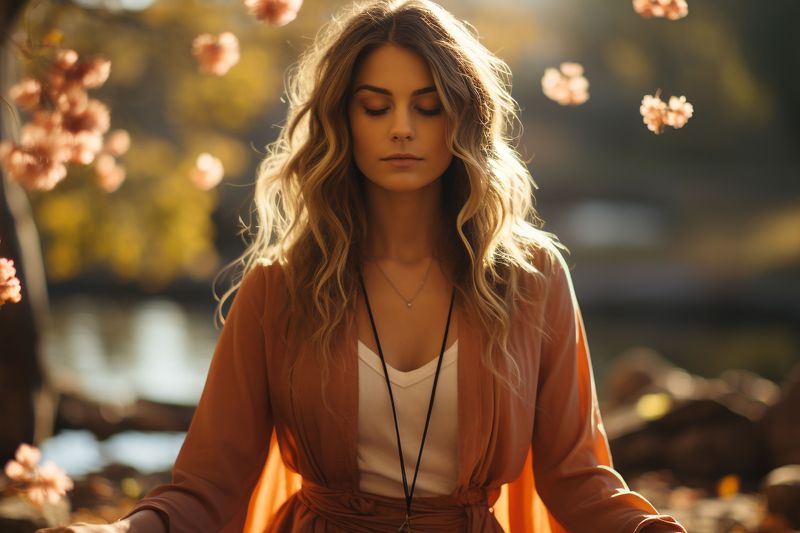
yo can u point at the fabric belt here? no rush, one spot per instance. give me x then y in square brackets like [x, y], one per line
[360, 512]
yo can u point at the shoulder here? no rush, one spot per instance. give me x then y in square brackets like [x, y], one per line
[546, 254]
[262, 284]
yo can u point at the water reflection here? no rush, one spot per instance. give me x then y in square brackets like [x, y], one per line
[116, 351]
[79, 453]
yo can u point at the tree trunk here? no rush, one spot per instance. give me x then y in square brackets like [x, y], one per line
[24, 416]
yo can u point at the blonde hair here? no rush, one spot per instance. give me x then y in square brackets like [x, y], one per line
[309, 201]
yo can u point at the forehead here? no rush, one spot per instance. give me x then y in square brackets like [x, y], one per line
[395, 68]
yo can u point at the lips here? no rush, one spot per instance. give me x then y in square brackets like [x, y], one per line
[401, 157]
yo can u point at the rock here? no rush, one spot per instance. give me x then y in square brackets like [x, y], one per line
[701, 429]
[104, 420]
[631, 373]
[782, 489]
[781, 423]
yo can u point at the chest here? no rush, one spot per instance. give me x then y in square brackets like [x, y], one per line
[410, 337]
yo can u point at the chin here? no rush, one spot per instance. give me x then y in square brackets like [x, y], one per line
[403, 182]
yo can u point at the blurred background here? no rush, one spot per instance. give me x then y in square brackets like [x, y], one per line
[685, 246]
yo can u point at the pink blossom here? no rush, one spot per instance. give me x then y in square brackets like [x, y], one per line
[671, 9]
[656, 114]
[40, 483]
[216, 54]
[85, 147]
[566, 85]
[37, 162]
[207, 172]
[26, 457]
[65, 59]
[27, 94]
[109, 174]
[276, 12]
[679, 111]
[92, 73]
[117, 143]
[16, 471]
[34, 168]
[49, 485]
[67, 72]
[5, 148]
[653, 111]
[66, 126]
[70, 98]
[94, 116]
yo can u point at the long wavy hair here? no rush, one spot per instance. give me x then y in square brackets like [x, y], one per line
[309, 197]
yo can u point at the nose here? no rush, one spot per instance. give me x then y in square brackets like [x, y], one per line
[401, 127]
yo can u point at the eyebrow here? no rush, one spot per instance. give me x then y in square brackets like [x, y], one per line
[367, 87]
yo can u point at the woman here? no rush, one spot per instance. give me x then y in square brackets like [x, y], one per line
[405, 351]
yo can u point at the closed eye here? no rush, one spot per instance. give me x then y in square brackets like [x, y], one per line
[428, 112]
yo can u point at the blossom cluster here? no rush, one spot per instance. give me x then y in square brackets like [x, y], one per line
[10, 289]
[657, 114]
[207, 171]
[39, 483]
[275, 12]
[217, 54]
[671, 9]
[67, 126]
[566, 85]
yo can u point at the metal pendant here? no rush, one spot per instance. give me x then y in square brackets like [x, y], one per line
[406, 527]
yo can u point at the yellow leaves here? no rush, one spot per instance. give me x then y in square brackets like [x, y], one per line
[120, 244]
[53, 38]
[628, 62]
[728, 486]
[131, 488]
[155, 228]
[653, 406]
[508, 29]
[228, 102]
[130, 58]
[66, 213]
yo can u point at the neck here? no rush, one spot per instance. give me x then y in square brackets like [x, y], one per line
[406, 226]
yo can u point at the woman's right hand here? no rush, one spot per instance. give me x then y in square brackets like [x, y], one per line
[82, 527]
[144, 521]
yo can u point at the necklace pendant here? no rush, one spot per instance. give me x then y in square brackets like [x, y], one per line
[406, 527]
[408, 304]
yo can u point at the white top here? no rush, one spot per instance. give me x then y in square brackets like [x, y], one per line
[378, 460]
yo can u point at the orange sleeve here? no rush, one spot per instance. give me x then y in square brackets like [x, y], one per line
[572, 465]
[226, 445]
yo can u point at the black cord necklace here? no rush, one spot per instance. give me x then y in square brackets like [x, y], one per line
[409, 494]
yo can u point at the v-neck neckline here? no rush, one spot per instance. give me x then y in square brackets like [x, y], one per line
[474, 385]
[410, 377]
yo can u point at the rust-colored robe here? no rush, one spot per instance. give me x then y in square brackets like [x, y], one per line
[535, 464]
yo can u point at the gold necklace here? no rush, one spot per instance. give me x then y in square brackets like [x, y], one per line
[406, 300]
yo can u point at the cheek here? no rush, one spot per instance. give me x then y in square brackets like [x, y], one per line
[441, 136]
[360, 133]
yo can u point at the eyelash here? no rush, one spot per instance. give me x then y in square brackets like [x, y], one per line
[427, 112]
